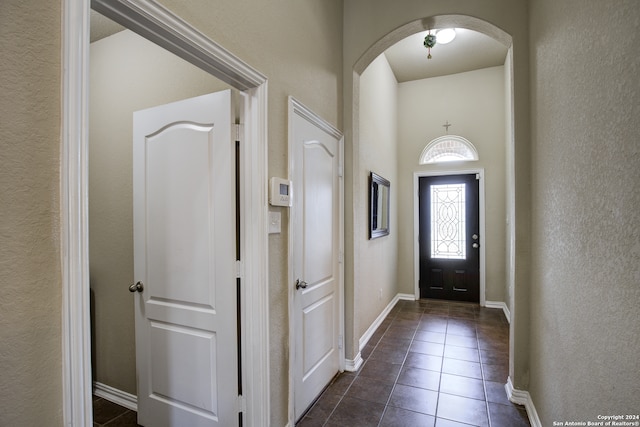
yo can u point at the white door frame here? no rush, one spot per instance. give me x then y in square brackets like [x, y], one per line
[296, 107]
[416, 225]
[164, 28]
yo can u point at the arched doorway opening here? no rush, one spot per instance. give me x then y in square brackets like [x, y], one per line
[359, 146]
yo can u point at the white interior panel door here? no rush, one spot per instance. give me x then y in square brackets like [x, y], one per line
[184, 249]
[316, 265]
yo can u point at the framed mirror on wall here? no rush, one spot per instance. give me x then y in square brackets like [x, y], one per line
[379, 189]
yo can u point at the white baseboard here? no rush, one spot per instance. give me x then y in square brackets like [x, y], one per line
[521, 397]
[499, 304]
[376, 324]
[407, 297]
[116, 396]
[352, 365]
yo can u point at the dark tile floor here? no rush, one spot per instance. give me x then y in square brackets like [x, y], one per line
[430, 363]
[106, 413]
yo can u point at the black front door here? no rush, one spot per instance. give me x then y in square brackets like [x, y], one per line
[449, 237]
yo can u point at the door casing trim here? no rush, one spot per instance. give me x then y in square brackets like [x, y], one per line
[416, 226]
[166, 29]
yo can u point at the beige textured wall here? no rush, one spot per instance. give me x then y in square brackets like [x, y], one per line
[367, 22]
[585, 324]
[424, 106]
[378, 258]
[30, 281]
[128, 73]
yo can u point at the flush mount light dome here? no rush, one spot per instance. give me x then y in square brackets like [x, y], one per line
[446, 35]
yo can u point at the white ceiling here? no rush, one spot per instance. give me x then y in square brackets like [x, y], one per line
[469, 51]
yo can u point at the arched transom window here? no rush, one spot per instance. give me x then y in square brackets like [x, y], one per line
[448, 148]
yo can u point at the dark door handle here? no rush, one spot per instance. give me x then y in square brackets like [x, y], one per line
[136, 287]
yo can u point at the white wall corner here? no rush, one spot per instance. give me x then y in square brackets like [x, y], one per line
[116, 396]
[520, 397]
[502, 305]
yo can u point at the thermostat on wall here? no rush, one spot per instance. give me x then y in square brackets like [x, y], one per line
[280, 192]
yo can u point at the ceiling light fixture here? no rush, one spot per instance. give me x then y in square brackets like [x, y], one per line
[446, 36]
[429, 42]
[443, 36]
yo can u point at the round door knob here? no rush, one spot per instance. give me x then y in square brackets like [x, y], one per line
[301, 284]
[136, 287]
[475, 246]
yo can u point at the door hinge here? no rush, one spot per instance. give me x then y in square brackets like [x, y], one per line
[477, 177]
[238, 131]
[340, 257]
[239, 270]
[340, 341]
[241, 403]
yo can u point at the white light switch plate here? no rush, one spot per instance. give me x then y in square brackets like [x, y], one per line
[274, 222]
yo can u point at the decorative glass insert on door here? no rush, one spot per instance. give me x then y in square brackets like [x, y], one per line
[448, 237]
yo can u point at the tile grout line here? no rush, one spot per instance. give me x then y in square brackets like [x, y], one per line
[398, 315]
[475, 322]
[115, 418]
[442, 373]
[358, 374]
[395, 382]
[484, 383]
[444, 346]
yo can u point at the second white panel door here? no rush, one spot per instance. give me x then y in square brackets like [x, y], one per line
[316, 229]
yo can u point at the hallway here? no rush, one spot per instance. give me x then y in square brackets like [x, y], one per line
[430, 363]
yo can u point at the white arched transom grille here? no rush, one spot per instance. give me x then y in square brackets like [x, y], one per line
[448, 148]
